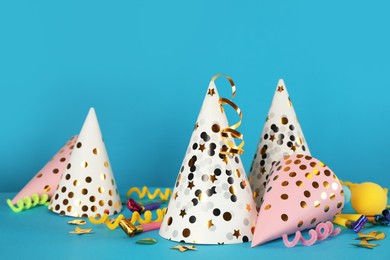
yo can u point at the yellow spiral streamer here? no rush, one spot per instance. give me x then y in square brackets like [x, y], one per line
[28, 202]
[230, 131]
[136, 217]
[145, 192]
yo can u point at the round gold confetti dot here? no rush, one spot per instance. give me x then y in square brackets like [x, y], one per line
[56, 196]
[326, 209]
[67, 177]
[299, 183]
[70, 195]
[284, 217]
[110, 203]
[106, 164]
[284, 120]
[307, 157]
[327, 172]
[78, 145]
[215, 128]
[288, 162]
[286, 169]
[63, 159]
[284, 196]
[276, 177]
[313, 221]
[238, 174]
[47, 188]
[88, 179]
[84, 208]
[299, 155]
[186, 232]
[92, 199]
[332, 196]
[342, 192]
[307, 193]
[100, 189]
[63, 189]
[316, 172]
[93, 208]
[75, 183]
[110, 192]
[84, 191]
[303, 167]
[317, 204]
[339, 205]
[55, 171]
[308, 175]
[315, 185]
[101, 203]
[95, 151]
[313, 164]
[284, 183]
[297, 161]
[39, 175]
[103, 177]
[69, 209]
[62, 212]
[326, 184]
[57, 207]
[303, 204]
[300, 223]
[84, 164]
[68, 166]
[227, 216]
[84, 215]
[169, 222]
[292, 174]
[267, 207]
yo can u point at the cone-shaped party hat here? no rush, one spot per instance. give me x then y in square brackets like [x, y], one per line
[87, 186]
[282, 135]
[301, 192]
[212, 202]
[46, 180]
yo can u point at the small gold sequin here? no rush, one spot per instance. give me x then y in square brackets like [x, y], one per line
[95, 151]
[284, 196]
[109, 203]
[68, 166]
[313, 164]
[315, 185]
[284, 217]
[101, 189]
[63, 159]
[307, 193]
[267, 207]
[186, 232]
[65, 202]
[284, 183]
[299, 183]
[47, 188]
[84, 164]
[284, 120]
[316, 204]
[293, 174]
[326, 185]
[300, 223]
[215, 128]
[303, 204]
[39, 175]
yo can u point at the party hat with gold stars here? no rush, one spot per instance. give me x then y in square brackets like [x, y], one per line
[87, 186]
[212, 202]
[46, 180]
[282, 135]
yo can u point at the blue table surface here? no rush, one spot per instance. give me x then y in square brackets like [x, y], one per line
[40, 234]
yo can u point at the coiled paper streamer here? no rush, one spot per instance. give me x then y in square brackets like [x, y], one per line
[28, 202]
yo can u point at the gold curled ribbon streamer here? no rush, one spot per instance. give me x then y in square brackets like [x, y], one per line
[230, 131]
[28, 202]
[136, 217]
[145, 192]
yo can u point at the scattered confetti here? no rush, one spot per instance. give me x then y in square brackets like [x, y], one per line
[80, 231]
[147, 241]
[374, 235]
[184, 248]
[365, 244]
[77, 222]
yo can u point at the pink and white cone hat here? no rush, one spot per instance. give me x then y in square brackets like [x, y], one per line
[87, 186]
[301, 192]
[211, 202]
[282, 135]
[46, 180]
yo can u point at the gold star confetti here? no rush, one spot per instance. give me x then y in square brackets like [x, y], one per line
[182, 213]
[213, 178]
[147, 241]
[262, 170]
[365, 244]
[202, 147]
[184, 248]
[191, 185]
[280, 89]
[248, 207]
[80, 231]
[210, 223]
[236, 233]
[211, 92]
[272, 138]
[77, 222]
[374, 235]
[294, 148]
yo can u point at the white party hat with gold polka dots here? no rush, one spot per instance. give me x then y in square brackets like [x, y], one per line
[211, 202]
[282, 135]
[87, 186]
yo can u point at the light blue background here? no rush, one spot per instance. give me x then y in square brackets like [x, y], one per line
[145, 67]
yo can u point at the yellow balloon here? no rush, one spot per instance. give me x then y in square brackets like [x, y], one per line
[368, 198]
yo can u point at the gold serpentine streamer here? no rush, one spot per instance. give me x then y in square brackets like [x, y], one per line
[28, 202]
[230, 131]
[136, 217]
[145, 192]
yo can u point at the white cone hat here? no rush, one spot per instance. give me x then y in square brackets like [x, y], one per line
[87, 186]
[212, 202]
[282, 135]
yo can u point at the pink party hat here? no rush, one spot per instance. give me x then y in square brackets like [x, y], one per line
[212, 202]
[87, 186]
[301, 192]
[282, 135]
[46, 180]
